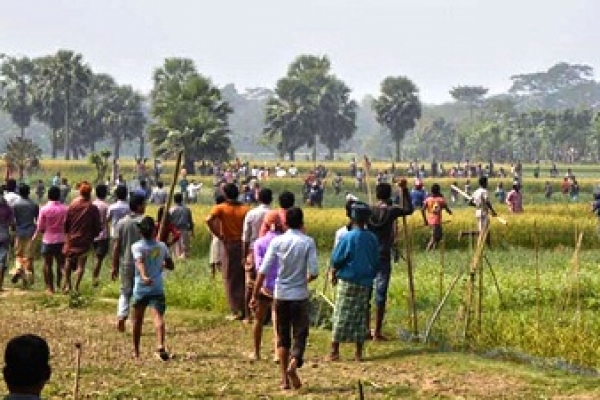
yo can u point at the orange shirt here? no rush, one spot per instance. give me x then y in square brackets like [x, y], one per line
[434, 207]
[232, 219]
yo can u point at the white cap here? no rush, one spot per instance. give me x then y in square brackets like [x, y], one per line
[351, 197]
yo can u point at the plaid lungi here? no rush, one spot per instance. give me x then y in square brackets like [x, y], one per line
[351, 312]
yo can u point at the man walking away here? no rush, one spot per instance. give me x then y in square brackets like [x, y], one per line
[296, 254]
[51, 222]
[7, 220]
[180, 215]
[102, 241]
[252, 224]
[82, 225]
[226, 222]
[123, 265]
[26, 213]
[159, 195]
[119, 209]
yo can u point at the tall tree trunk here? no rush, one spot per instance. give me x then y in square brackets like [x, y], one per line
[142, 146]
[398, 148]
[67, 144]
[188, 164]
[117, 146]
[331, 153]
[22, 132]
[54, 143]
[292, 155]
[93, 146]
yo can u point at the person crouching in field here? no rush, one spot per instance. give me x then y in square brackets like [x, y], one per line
[264, 297]
[432, 215]
[296, 254]
[148, 291]
[355, 262]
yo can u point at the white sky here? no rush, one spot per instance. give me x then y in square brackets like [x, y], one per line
[436, 43]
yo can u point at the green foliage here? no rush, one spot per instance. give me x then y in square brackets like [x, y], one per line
[398, 107]
[189, 114]
[100, 162]
[21, 153]
[16, 85]
[310, 102]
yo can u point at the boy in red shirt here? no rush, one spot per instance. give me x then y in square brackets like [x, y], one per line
[432, 214]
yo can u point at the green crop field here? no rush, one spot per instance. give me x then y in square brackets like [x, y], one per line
[542, 317]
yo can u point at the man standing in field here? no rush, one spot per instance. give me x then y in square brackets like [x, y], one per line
[383, 224]
[355, 262]
[102, 241]
[514, 200]
[180, 216]
[252, 224]
[7, 220]
[118, 210]
[26, 213]
[150, 258]
[432, 215]
[226, 222]
[123, 265]
[483, 205]
[51, 222]
[82, 225]
[159, 195]
[296, 254]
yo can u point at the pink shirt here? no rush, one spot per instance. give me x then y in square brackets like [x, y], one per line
[103, 208]
[51, 221]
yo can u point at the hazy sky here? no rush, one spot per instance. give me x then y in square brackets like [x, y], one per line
[436, 43]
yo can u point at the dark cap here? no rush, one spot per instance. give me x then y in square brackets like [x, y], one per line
[146, 225]
[360, 211]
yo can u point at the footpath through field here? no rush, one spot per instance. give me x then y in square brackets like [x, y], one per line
[211, 362]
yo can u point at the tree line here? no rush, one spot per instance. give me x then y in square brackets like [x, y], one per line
[545, 115]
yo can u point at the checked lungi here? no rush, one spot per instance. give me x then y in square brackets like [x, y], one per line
[351, 312]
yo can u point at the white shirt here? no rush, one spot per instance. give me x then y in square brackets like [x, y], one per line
[339, 234]
[480, 198]
[252, 223]
[11, 197]
[193, 190]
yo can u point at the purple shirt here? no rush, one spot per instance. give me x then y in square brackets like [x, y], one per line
[260, 249]
[51, 221]
[103, 208]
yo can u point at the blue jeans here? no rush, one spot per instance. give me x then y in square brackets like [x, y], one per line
[127, 273]
[382, 282]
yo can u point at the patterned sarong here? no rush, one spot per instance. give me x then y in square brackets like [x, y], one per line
[351, 312]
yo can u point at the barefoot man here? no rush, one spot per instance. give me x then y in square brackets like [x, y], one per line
[296, 254]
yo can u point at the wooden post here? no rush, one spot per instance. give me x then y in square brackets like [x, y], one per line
[77, 370]
[163, 221]
[442, 266]
[538, 288]
[412, 306]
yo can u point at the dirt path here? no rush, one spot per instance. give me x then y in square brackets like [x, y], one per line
[211, 362]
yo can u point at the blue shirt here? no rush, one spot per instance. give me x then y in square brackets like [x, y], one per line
[152, 254]
[417, 197]
[297, 257]
[356, 257]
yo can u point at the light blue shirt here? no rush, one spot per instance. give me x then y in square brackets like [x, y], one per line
[297, 257]
[153, 254]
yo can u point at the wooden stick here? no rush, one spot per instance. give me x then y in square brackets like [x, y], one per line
[77, 370]
[165, 216]
[538, 288]
[475, 266]
[442, 266]
[412, 306]
[438, 310]
[361, 394]
[367, 181]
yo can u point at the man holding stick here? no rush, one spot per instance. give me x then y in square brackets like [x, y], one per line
[481, 201]
[383, 223]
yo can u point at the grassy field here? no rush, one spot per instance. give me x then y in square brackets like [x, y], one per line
[537, 337]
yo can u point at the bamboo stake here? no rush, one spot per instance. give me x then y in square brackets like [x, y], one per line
[538, 288]
[367, 164]
[163, 221]
[412, 306]
[361, 393]
[475, 265]
[438, 310]
[442, 266]
[77, 370]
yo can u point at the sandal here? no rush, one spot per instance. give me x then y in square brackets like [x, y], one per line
[162, 355]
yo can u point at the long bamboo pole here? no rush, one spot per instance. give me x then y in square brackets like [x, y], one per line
[163, 221]
[412, 306]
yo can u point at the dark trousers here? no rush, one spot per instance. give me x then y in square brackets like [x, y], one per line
[292, 320]
[234, 276]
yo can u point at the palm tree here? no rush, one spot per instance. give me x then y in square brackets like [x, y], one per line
[20, 152]
[189, 114]
[398, 107]
[64, 78]
[16, 82]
